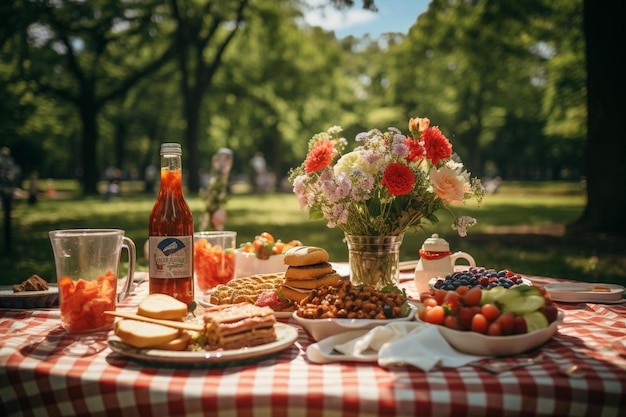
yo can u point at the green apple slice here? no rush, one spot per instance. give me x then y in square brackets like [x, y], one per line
[505, 297]
[490, 295]
[523, 304]
[535, 321]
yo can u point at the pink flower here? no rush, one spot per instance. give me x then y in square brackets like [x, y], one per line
[447, 184]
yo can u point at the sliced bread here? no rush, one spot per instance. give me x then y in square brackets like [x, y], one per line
[162, 306]
[141, 334]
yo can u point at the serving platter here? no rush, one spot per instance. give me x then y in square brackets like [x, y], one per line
[29, 299]
[586, 292]
[286, 335]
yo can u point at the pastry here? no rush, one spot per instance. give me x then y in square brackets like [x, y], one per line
[33, 283]
[305, 255]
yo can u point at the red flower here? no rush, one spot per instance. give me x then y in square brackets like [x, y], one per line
[416, 150]
[398, 178]
[320, 156]
[437, 145]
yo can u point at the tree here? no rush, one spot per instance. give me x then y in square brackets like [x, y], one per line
[78, 52]
[606, 102]
[204, 31]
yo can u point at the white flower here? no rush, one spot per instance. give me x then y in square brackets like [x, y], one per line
[462, 224]
[334, 130]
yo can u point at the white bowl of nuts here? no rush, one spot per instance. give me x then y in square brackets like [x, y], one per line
[343, 307]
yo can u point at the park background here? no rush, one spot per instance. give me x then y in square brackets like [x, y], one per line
[91, 87]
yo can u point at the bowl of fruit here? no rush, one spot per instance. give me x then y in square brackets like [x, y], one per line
[264, 255]
[492, 322]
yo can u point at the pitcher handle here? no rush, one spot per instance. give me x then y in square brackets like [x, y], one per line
[129, 245]
[462, 255]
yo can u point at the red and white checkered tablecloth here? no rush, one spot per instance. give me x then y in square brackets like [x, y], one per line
[37, 378]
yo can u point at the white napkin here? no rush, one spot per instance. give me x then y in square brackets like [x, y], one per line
[414, 343]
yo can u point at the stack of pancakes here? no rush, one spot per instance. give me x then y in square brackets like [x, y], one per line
[308, 268]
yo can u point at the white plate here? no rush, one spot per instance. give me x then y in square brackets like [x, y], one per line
[205, 302]
[482, 345]
[576, 292]
[322, 328]
[324, 350]
[285, 334]
[29, 299]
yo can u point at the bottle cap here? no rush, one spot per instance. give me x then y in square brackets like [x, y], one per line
[436, 244]
[171, 148]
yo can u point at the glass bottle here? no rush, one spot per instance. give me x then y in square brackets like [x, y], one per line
[171, 232]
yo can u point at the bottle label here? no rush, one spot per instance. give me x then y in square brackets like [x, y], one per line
[171, 256]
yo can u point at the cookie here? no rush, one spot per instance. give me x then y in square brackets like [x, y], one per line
[297, 290]
[327, 279]
[308, 271]
[294, 294]
[305, 255]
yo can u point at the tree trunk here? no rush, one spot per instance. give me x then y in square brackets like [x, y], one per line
[90, 169]
[192, 115]
[606, 104]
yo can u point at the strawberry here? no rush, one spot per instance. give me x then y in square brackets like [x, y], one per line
[452, 303]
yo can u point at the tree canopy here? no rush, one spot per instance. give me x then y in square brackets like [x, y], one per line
[89, 85]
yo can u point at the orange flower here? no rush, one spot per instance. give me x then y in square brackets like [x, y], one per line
[437, 145]
[398, 178]
[320, 156]
[416, 150]
[418, 124]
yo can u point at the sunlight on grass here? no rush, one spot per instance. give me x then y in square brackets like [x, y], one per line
[516, 230]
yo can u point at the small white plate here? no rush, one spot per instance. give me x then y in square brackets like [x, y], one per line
[577, 292]
[285, 336]
[29, 299]
[324, 350]
[322, 328]
[483, 345]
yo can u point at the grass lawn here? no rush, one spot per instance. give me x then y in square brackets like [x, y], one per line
[520, 228]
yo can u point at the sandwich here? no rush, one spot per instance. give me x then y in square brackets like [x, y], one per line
[236, 326]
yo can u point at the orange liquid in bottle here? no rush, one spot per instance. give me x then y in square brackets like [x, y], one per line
[171, 216]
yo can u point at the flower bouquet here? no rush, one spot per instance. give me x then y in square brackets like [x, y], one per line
[389, 183]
